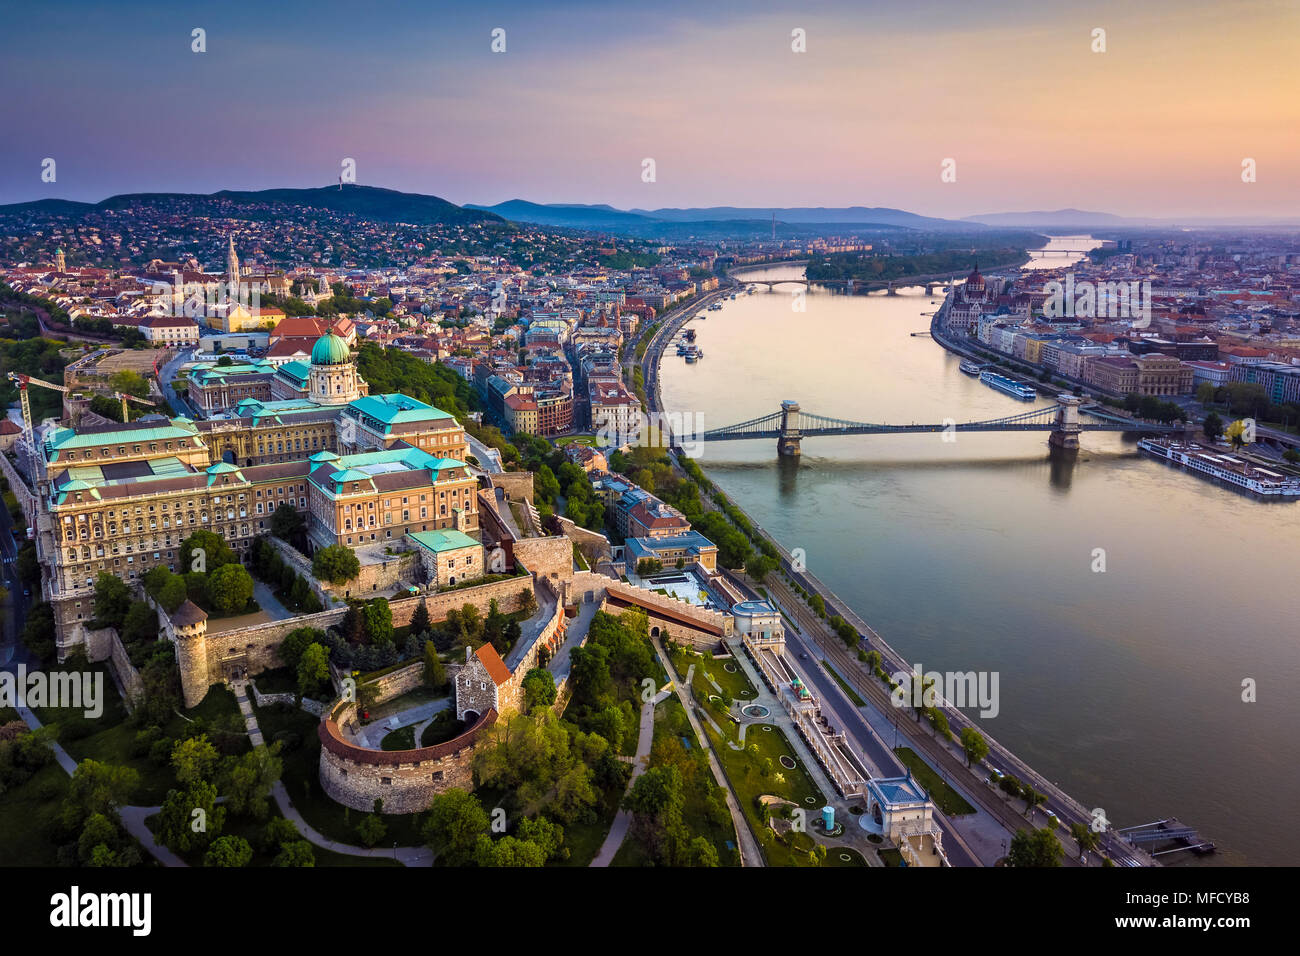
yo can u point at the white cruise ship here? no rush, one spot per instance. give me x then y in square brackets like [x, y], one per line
[1229, 469]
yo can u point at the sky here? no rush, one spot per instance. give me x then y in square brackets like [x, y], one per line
[1157, 125]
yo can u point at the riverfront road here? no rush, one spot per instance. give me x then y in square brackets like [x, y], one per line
[948, 761]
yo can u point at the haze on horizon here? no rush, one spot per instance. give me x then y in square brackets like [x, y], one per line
[1158, 125]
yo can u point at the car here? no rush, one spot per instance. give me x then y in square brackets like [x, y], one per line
[1052, 818]
[803, 656]
[27, 592]
[995, 774]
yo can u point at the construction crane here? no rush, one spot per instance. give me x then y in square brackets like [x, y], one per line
[23, 381]
[124, 397]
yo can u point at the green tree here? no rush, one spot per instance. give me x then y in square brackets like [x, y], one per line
[191, 819]
[249, 780]
[296, 853]
[313, 670]
[230, 588]
[420, 622]
[228, 851]
[287, 524]
[455, 822]
[112, 600]
[539, 688]
[371, 829]
[195, 760]
[378, 618]
[435, 672]
[1087, 838]
[205, 551]
[973, 742]
[100, 788]
[1035, 848]
[335, 564]
[1213, 425]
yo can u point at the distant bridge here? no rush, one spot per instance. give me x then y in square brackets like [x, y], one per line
[931, 283]
[789, 426]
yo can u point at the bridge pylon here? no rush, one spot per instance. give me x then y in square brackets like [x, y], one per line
[1066, 432]
[787, 444]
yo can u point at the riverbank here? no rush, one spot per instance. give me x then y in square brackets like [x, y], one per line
[1067, 807]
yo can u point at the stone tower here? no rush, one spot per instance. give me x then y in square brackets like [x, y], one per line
[60, 261]
[189, 626]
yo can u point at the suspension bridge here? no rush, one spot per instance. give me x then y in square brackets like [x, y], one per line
[789, 426]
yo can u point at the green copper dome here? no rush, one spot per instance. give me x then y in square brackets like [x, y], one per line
[330, 349]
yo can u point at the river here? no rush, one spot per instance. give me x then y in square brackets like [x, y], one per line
[1124, 685]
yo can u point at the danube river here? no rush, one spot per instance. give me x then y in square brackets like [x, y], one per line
[1124, 686]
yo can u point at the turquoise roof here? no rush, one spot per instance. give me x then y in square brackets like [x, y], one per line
[439, 541]
[395, 409]
[330, 349]
[295, 370]
[60, 438]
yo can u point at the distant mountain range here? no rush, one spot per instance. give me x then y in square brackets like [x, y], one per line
[604, 217]
[389, 205]
[369, 202]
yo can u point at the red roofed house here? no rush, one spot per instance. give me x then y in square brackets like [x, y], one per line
[484, 684]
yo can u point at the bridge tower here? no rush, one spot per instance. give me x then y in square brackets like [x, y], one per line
[1066, 432]
[892, 290]
[787, 446]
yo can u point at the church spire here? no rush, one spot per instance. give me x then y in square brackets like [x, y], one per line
[232, 261]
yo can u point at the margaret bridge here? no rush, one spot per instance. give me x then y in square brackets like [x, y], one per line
[789, 426]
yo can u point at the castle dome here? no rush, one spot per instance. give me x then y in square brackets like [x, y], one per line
[330, 349]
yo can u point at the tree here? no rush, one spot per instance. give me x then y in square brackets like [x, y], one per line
[230, 588]
[313, 670]
[760, 566]
[1205, 393]
[1035, 848]
[296, 853]
[100, 788]
[1087, 838]
[140, 624]
[1213, 425]
[287, 524]
[420, 622]
[335, 564]
[703, 853]
[539, 688]
[295, 642]
[371, 829]
[435, 671]
[205, 551]
[195, 760]
[277, 832]
[191, 819]
[456, 820]
[973, 742]
[527, 602]
[378, 618]
[133, 383]
[228, 851]
[656, 801]
[112, 600]
[249, 781]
